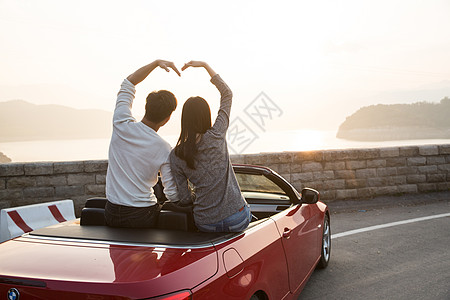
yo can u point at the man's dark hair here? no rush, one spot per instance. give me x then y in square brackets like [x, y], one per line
[160, 105]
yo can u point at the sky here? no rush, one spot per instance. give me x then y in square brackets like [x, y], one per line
[318, 61]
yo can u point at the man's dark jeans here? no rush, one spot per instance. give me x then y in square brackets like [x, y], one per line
[131, 217]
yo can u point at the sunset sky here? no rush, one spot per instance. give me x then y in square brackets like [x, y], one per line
[319, 61]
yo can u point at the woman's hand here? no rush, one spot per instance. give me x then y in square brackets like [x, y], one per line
[164, 64]
[197, 64]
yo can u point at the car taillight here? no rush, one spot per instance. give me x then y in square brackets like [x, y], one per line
[181, 295]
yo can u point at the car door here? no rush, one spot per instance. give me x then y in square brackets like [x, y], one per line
[299, 234]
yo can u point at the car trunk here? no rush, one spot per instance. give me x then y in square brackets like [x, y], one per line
[76, 262]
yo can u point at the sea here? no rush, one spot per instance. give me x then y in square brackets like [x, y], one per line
[293, 140]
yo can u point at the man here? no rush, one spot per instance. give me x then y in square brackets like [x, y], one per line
[137, 153]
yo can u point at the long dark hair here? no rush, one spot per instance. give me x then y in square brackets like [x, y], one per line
[195, 119]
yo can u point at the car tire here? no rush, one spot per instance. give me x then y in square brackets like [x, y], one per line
[325, 251]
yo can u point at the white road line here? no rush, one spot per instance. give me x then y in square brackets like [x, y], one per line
[370, 228]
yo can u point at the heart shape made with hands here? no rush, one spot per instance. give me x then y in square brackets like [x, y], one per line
[167, 65]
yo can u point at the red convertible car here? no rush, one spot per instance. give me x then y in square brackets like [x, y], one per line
[83, 259]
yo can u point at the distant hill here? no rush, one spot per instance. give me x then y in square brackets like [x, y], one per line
[24, 121]
[4, 158]
[380, 122]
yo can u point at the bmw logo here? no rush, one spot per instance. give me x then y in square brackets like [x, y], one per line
[13, 294]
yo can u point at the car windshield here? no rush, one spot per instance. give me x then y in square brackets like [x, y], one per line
[257, 183]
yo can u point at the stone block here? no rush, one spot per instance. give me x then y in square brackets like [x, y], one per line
[95, 189]
[38, 168]
[38, 192]
[391, 171]
[376, 163]
[390, 152]
[68, 167]
[317, 185]
[447, 158]
[355, 183]
[296, 177]
[311, 166]
[95, 166]
[327, 195]
[254, 159]
[334, 184]
[80, 179]
[299, 157]
[297, 185]
[237, 159]
[416, 178]
[335, 155]
[275, 158]
[2, 183]
[407, 189]
[396, 180]
[284, 168]
[436, 177]
[295, 167]
[324, 175]
[355, 164]
[338, 165]
[368, 154]
[345, 174]
[5, 204]
[13, 169]
[385, 190]
[11, 194]
[366, 173]
[416, 161]
[331, 155]
[443, 186]
[365, 192]
[427, 169]
[444, 149]
[435, 160]
[396, 162]
[100, 179]
[69, 191]
[377, 181]
[427, 187]
[409, 151]
[53, 180]
[21, 182]
[406, 170]
[445, 167]
[347, 194]
[428, 150]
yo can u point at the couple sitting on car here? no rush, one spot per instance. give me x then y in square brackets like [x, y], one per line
[197, 172]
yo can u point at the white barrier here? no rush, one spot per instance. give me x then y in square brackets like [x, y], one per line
[16, 221]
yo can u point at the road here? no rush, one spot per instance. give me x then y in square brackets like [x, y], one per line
[402, 261]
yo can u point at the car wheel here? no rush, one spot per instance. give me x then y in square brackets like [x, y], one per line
[259, 296]
[326, 244]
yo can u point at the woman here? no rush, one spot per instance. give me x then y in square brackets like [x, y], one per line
[201, 157]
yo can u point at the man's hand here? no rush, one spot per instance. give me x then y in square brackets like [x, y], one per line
[197, 64]
[166, 65]
[143, 72]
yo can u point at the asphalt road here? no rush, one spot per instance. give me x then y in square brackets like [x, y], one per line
[406, 261]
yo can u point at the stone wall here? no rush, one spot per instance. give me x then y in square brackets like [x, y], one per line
[29, 183]
[337, 174]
